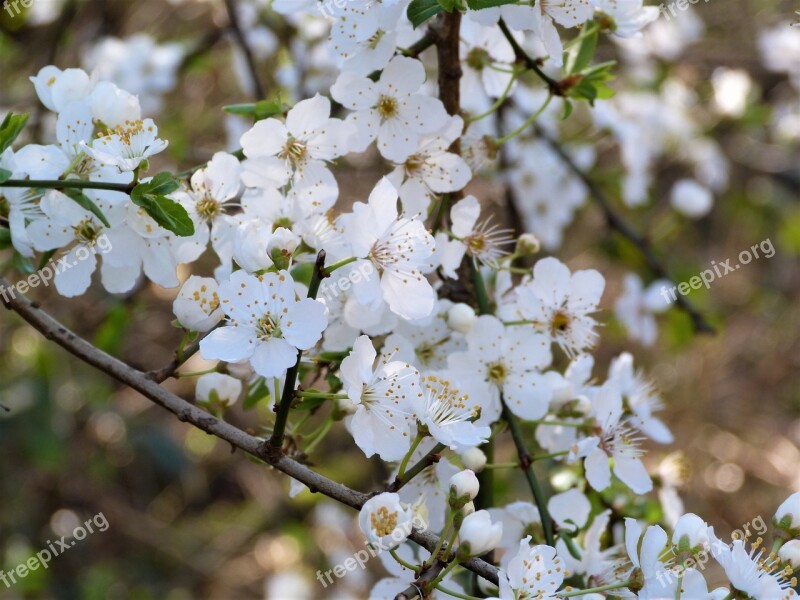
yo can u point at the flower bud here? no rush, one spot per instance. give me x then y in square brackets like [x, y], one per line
[218, 388]
[250, 246]
[474, 459]
[197, 305]
[690, 532]
[461, 317]
[464, 486]
[468, 509]
[787, 517]
[527, 245]
[478, 535]
[281, 247]
[790, 553]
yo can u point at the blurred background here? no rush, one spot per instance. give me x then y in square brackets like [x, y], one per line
[187, 519]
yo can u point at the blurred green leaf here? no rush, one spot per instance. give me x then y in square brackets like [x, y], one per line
[10, 128]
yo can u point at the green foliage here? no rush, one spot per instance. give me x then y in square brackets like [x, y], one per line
[10, 128]
[151, 196]
[86, 203]
[420, 11]
[262, 109]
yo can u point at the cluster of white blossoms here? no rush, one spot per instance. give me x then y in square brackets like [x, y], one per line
[416, 313]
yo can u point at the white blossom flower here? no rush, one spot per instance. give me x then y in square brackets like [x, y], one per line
[636, 307]
[691, 199]
[385, 522]
[567, 13]
[559, 303]
[57, 89]
[197, 305]
[485, 242]
[399, 249]
[390, 109]
[535, 572]
[509, 360]
[629, 16]
[266, 323]
[126, 146]
[431, 169]
[756, 573]
[299, 149]
[382, 423]
[218, 387]
[478, 534]
[617, 441]
[448, 415]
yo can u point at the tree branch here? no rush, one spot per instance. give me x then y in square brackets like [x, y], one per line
[55, 331]
[238, 35]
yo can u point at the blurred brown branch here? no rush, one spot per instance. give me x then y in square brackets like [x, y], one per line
[55, 331]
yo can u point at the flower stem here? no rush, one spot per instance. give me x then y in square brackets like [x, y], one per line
[340, 264]
[443, 574]
[526, 464]
[401, 562]
[407, 457]
[288, 395]
[58, 184]
[325, 395]
[602, 588]
[444, 590]
[425, 462]
[318, 435]
[529, 121]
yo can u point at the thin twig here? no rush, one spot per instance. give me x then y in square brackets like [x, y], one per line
[417, 589]
[238, 34]
[431, 458]
[55, 331]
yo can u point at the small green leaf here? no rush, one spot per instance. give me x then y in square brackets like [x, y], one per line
[582, 57]
[420, 11]
[151, 196]
[481, 4]
[10, 128]
[5, 175]
[256, 393]
[86, 203]
[451, 5]
[568, 107]
[262, 109]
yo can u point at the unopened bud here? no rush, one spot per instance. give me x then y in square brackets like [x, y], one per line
[790, 553]
[528, 244]
[461, 317]
[474, 459]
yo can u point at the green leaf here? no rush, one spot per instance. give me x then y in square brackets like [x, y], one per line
[256, 393]
[151, 196]
[450, 5]
[86, 203]
[22, 264]
[10, 128]
[582, 57]
[481, 4]
[420, 11]
[568, 107]
[5, 175]
[5, 238]
[257, 110]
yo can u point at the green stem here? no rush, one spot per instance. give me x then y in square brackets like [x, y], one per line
[340, 264]
[196, 373]
[526, 464]
[536, 457]
[319, 435]
[591, 30]
[528, 122]
[400, 561]
[508, 465]
[423, 464]
[443, 574]
[444, 590]
[438, 548]
[498, 103]
[57, 184]
[407, 457]
[325, 395]
[481, 295]
[602, 588]
[288, 395]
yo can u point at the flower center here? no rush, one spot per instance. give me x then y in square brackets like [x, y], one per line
[383, 522]
[294, 151]
[87, 232]
[414, 164]
[478, 59]
[208, 305]
[560, 322]
[268, 327]
[208, 208]
[125, 132]
[376, 39]
[497, 372]
[476, 243]
[387, 107]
